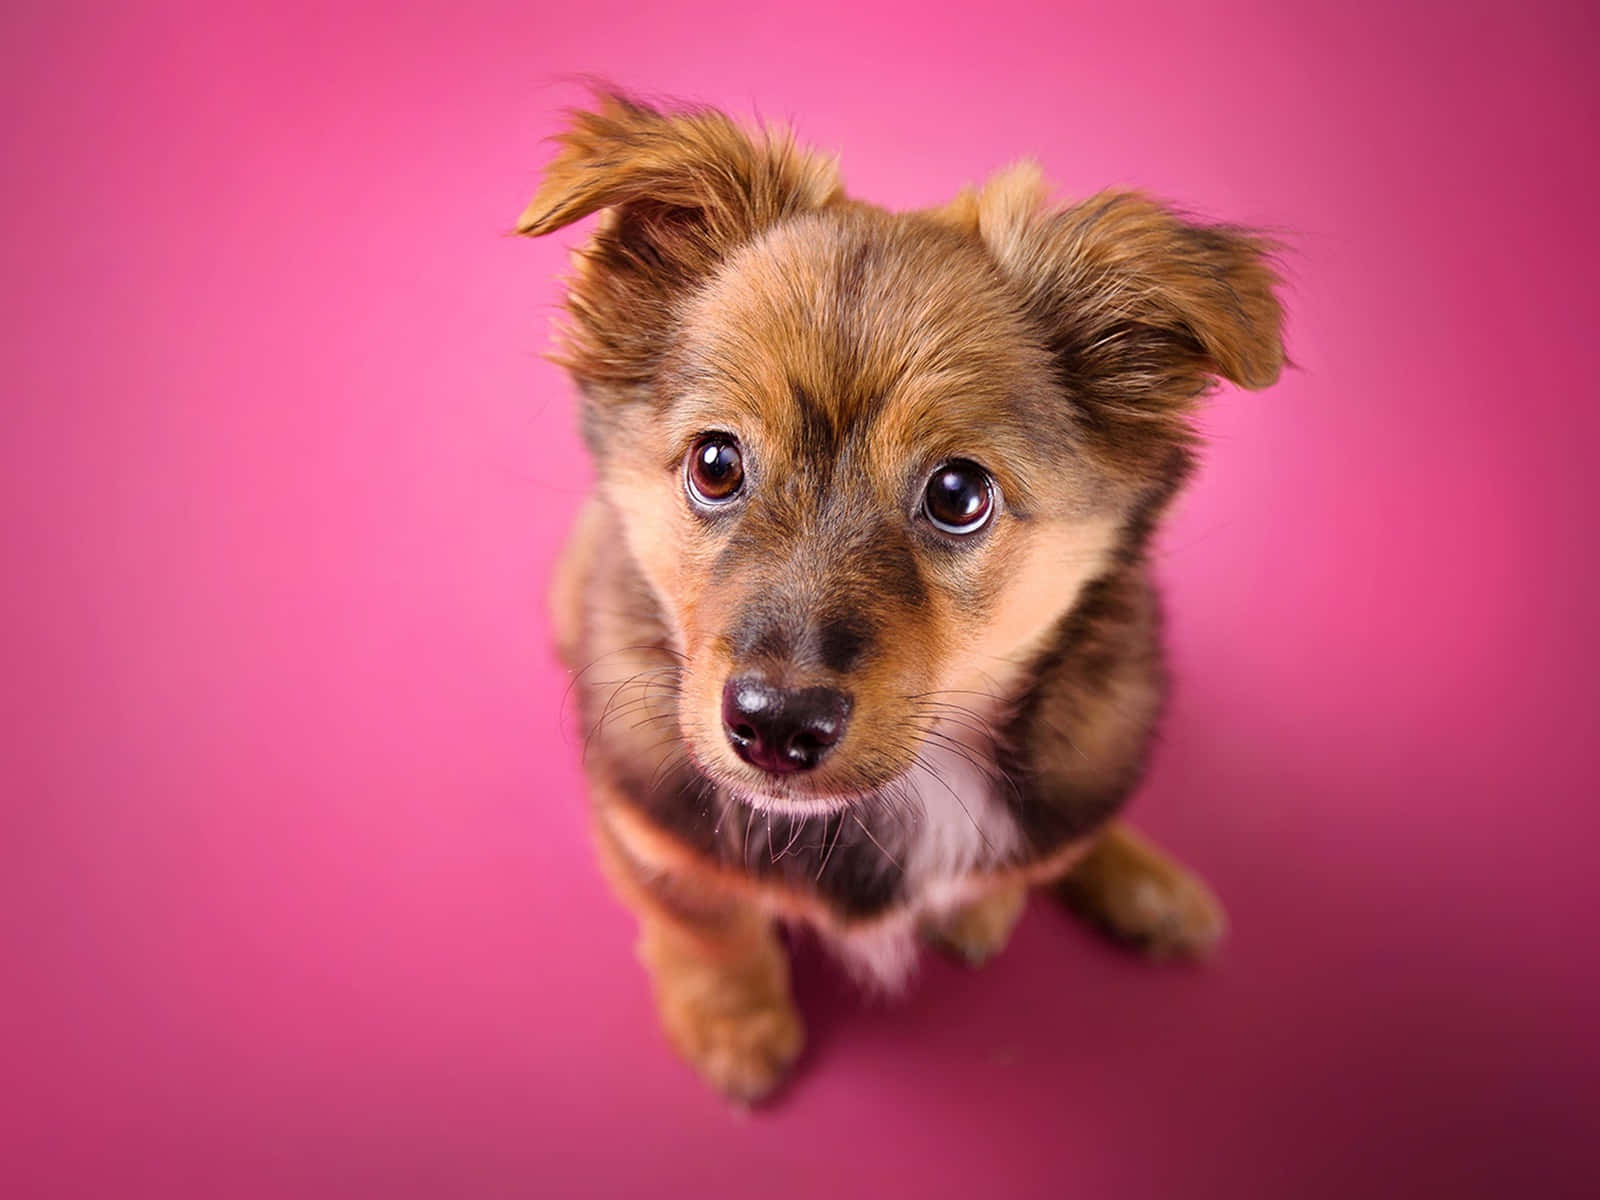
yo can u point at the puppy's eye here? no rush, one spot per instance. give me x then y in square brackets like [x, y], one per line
[715, 470]
[959, 498]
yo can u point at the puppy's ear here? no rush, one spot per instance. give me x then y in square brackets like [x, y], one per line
[681, 191]
[1142, 309]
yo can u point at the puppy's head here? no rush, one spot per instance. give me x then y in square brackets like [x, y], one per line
[866, 461]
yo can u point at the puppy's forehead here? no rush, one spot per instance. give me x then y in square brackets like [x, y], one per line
[854, 316]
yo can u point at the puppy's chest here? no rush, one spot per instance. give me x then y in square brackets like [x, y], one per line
[910, 848]
[954, 822]
[913, 852]
[952, 825]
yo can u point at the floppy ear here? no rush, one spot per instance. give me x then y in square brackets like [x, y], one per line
[682, 190]
[1143, 310]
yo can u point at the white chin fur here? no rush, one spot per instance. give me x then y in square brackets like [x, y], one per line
[792, 805]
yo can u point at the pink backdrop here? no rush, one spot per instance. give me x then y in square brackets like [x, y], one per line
[298, 899]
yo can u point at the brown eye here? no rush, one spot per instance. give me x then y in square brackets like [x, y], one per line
[959, 498]
[715, 471]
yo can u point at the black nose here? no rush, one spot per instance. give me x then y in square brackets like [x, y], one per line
[782, 729]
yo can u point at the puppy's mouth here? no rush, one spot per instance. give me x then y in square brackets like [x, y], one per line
[799, 794]
[795, 794]
[785, 800]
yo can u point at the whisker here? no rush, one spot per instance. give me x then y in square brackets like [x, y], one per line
[795, 826]
[863, 827]
[951, 692]
[598, 659]
[928, 767]
[722, 815]
[647, 676]
[993, 771]
[970, 724]
[653, 719]
[831, 848]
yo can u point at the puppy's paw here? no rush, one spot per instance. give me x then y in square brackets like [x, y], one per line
[1166, 916]
[722, 992]
[741, 1045]
[1140, 897]
[976, 932]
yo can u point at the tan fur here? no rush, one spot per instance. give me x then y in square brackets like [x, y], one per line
[1059, 558]
[1136, 893]
[566, 598]
[720, 979]
[728, 1013]
[977, 931]
[1003, 687]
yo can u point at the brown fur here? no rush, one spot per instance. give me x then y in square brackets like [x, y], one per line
[732, 287]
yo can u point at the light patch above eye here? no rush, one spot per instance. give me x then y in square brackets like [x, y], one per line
[959, 498]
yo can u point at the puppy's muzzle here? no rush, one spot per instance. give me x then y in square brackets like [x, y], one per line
[782, 730]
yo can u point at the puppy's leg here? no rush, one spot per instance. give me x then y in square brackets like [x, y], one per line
[977, 931]
[1136, 894]
[723, 997]
[720, 977]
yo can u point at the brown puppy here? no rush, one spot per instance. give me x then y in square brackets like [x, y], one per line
[861, 622]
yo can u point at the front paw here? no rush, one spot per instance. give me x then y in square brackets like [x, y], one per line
[743, 1045]
[1142, 898]
[1173, 916]
[976, 932]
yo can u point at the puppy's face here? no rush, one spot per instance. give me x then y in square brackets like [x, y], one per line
[867, 461]
[856, 493]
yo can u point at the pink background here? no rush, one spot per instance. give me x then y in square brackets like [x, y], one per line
[297, 895]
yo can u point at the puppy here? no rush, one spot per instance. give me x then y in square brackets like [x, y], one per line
[860, 618]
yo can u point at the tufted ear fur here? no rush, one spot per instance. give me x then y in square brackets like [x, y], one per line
[1142, 309]
[681, 190]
